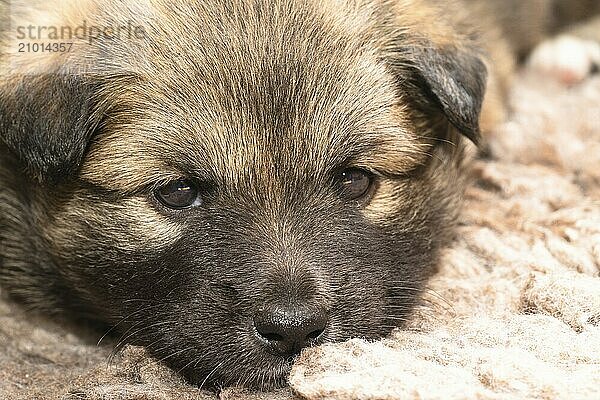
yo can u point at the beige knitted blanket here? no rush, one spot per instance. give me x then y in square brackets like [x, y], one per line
[513, 314]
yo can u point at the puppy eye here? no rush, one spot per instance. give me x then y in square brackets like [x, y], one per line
[179, 194]
[355, 183]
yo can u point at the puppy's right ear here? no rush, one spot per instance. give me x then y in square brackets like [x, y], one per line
[448, 80]
[454, 80]
[47, 121]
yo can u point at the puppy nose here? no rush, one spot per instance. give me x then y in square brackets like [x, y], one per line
[287, 331]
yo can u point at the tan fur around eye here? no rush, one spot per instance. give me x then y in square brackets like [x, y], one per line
[132, 224]
[384, 202]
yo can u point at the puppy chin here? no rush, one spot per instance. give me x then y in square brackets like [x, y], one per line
[271, 374]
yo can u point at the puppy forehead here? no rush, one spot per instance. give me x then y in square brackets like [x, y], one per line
[228, 136]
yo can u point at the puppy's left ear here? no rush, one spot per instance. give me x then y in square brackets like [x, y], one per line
[47, 121]
[453, 80]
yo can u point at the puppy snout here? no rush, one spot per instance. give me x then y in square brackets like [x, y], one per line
[286, 331]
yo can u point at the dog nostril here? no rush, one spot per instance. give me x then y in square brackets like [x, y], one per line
[287, 331]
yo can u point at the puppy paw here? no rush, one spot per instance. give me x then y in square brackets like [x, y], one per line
[567, 59]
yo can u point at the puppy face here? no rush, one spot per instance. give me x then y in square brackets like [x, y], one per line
[225, 196]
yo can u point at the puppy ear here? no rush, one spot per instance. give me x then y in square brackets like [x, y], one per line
[452, 79]
[47, 121]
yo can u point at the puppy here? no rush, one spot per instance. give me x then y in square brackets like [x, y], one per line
[229, 181]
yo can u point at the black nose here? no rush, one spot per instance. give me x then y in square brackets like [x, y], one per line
[288, 330]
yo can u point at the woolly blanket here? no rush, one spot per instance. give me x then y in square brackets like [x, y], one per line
[514, 312]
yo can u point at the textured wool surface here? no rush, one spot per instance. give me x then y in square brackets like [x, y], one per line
[514, 312]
